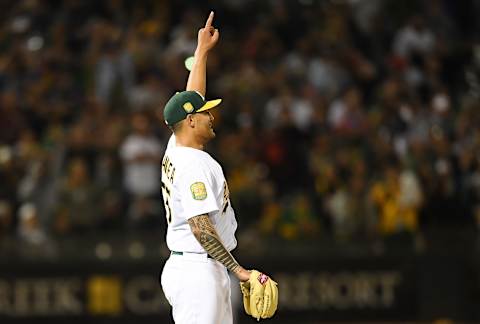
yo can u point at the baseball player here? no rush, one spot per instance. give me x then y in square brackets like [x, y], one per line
[201, 220]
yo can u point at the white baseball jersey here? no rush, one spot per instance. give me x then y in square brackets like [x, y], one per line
[193, 184]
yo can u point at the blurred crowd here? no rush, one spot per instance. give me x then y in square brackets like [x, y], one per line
[352, 119]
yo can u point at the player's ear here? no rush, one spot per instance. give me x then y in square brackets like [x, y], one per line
[190, 120]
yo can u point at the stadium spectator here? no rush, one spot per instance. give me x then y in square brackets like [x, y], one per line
[34, 241]
[77, 210]
[141, 157]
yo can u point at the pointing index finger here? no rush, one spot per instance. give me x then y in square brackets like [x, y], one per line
[209, 20]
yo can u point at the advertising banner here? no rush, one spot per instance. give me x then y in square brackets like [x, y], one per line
[360, 289]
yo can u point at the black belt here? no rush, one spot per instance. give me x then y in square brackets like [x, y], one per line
[181, 253]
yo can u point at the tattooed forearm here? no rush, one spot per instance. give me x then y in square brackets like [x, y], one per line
[206, 234]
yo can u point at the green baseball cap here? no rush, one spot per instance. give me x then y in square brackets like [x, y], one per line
[184, 103]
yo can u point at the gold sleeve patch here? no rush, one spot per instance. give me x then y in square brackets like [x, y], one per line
[199, 192]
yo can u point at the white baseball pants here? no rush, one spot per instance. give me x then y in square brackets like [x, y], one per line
[198, 289]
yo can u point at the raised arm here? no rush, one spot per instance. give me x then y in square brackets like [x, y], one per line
[207, 236]
[207, 38]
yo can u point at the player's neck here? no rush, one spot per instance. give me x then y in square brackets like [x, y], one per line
[188, 141]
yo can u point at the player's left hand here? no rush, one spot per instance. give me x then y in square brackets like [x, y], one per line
[208, 35]
[260, 295]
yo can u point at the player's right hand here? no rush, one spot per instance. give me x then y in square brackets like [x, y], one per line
[207, 36]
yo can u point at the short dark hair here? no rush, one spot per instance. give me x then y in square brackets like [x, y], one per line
[175, 127]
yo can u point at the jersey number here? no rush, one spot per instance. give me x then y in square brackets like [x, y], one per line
[166, 202]
[226, 197]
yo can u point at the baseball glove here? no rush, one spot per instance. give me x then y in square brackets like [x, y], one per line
[260, 295]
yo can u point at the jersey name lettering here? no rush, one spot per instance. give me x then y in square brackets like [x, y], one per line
[168, 172]
[168, 169]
